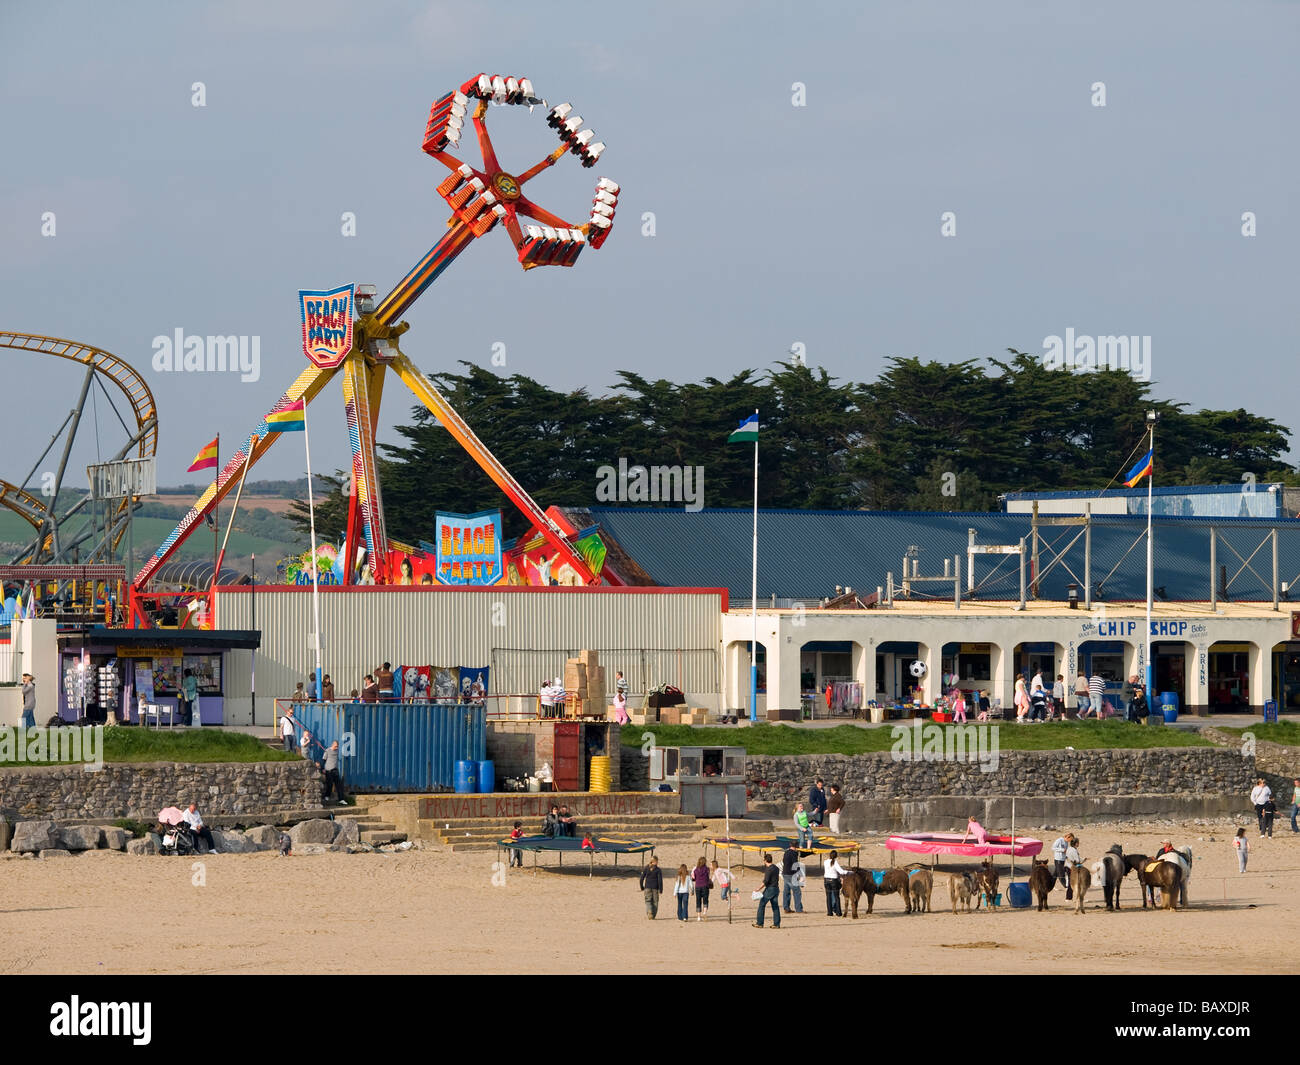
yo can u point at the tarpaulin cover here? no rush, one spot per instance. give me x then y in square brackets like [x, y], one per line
[951, 843]
[604, 845]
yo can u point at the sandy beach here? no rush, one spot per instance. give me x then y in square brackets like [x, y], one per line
[431, 911]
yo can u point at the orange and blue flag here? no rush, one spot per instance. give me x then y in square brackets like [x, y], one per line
[1140, 469]
[206, 459]
[290, 419]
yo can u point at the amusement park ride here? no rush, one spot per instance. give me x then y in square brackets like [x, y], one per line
[364, 348]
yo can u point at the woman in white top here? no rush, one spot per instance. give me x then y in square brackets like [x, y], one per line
[831, 873]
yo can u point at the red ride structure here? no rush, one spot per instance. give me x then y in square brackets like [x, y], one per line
[481, 199]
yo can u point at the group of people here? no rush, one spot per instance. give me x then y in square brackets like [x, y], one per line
[788, 881]
[699, 882]
[1034, 701]
[292, 735]
[551, 696]
[1261, 798]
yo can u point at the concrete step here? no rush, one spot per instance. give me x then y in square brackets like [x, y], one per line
[494, 823]
[376, 838]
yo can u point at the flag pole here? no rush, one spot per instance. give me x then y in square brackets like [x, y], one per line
[216, 521]
[1151, 477]
[238, 495]
[315, 582]
[753, 602]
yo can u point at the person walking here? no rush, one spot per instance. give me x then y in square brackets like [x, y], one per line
[1126, 694]
[831, 873]
[1096, 689]
[791, 886]
[1270, 812]
[29, 701]
[304, 744]
[652, 886]
[835, 807]
[333, 783]
[703, 881]
[1058, 697]
[682, 890]
[189, 696]
[327, 689]
[1081, 698]
[1242, 847]
[769, 892]
[288, 726]
[1295, 802]
[1260, 794]
[1021, 699]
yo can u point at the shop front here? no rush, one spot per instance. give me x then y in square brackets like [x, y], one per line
[1286, 677]
[111, 671]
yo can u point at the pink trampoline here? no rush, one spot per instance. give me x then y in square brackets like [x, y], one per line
[951, 843]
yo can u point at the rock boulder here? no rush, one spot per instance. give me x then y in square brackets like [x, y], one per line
[81, 837]
[317, 830]
[115, 839]
[31, 837]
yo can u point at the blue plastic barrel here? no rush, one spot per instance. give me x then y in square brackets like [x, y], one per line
[1169, 703]
[487, 776]
[1019, 896]
[466, 778]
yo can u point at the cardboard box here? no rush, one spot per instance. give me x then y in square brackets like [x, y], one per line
[670, 715]
[588, 659]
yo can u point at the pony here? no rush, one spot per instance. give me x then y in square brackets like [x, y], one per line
[1041, 882]
[1137, 863]
[921, 887]
[872, 882]
[1108, 872]
[1155, 873]
[961, 887]
[986, 883]
[1080, 881]
[1181, 857]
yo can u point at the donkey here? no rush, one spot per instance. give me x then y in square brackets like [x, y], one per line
[986, 877]
[961, 887]
[1181, 857]
[872, 882]
[1041, 882]
[1080, 881]
[921, 887]
[1108, 872]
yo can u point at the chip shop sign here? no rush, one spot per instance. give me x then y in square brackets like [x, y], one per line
[469, 548]
[1107, 629]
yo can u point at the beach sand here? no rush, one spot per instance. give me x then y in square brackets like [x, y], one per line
[437, 912]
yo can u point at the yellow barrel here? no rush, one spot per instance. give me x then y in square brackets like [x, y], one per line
[599, 773]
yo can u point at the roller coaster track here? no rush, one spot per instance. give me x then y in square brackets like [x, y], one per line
[27, 507]
[138, 395]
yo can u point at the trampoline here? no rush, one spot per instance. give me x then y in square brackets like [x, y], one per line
[951, 843]
[572, 844]
[776, 843]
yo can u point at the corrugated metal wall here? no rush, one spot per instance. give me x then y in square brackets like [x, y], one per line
[398, 746]
[654, 636]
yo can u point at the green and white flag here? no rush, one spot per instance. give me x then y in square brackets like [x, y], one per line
[747, 432]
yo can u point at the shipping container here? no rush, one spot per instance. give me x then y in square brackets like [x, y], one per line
[397, 746]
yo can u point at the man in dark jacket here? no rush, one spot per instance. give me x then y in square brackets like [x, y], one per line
[817, 803]
[771, 888]
[652, 885]
[789, 860]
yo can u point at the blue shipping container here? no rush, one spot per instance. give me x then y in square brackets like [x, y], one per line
[398, 746]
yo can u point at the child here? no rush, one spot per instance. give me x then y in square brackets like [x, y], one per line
[958, 706]
[722, 878]
[516, 855]
[979, 701]
[1242, 848]
[1270, 811]
[587, 845]
[703, 881]
[682, 889]
[620, 708]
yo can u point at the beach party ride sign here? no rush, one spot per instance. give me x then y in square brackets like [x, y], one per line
[469, 548]
[326, 324]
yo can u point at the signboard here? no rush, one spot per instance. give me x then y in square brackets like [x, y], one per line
[469, 548]
[326, 324]
[129, 477]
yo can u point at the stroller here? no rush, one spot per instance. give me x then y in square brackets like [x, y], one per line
[177, 836]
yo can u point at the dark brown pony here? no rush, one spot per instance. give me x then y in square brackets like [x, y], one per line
[1041, 882]
[986, 878]
[1135, 863]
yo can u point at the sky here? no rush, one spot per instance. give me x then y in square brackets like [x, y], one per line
[852, 181]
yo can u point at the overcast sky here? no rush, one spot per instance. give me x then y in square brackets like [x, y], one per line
[780, 216]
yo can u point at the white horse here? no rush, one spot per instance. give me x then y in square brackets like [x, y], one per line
[1181, 857]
